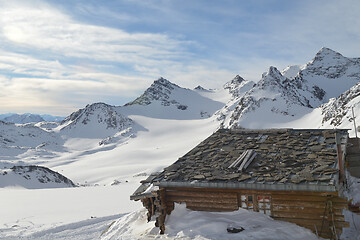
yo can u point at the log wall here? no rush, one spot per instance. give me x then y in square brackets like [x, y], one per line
[319, 211]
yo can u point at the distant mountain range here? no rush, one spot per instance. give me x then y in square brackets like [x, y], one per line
[318, 94]
[28, 118]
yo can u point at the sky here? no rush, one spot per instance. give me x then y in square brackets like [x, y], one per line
[59, 56]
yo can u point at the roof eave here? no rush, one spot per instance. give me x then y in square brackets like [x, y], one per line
[250, 186]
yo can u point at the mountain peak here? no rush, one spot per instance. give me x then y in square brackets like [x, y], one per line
[325, 50]
[200, 88]
[327, 54]
[95, 120]
[160, 90]
[272, 74]
[236, 81]
[238, 85]
[164, 82]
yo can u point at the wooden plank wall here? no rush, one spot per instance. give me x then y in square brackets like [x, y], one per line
[314, 210]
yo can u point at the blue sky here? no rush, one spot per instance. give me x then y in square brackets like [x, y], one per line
[58, 56]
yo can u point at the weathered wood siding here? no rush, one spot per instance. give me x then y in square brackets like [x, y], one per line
[317, 211]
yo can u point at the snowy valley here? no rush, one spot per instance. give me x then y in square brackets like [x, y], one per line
[97, 156]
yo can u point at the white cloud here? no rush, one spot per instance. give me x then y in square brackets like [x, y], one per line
[47, 29]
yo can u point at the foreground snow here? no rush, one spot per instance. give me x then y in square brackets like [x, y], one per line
[35, 213]
[187, 224]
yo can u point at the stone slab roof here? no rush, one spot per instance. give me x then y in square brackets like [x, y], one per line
[279, 156]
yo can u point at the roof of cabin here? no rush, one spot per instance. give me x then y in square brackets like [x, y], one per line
[282, 156]
[273, 159]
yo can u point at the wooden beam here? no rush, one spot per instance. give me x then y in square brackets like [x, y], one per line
[202, 199]
[301, 209]
[308, 204]
[238, 161]
[308, 198]
[212, 205]
[313, 216]
[211, 209]
[202, 194]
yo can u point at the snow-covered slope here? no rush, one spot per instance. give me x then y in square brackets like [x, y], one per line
[291, 71]
[50, 118]
[27, 139]
[33, 177]
[336, 113]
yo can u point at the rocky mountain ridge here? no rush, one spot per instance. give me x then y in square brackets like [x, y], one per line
[161, 91]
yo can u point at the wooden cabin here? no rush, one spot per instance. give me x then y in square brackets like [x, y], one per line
[291, 175]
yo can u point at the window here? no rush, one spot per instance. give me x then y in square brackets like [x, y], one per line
[257, 203]
[247, 201]
[264, 203]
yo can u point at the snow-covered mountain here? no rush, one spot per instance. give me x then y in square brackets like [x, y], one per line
[98, 120]
[238, 86]
[23, 118]
[33, 177]
[336, 113]
[274, 96]
[332, 72]
[287, 96]
[166, 100]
